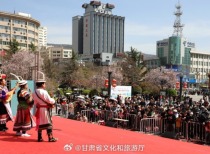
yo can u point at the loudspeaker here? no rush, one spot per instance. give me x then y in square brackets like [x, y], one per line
[111, 124]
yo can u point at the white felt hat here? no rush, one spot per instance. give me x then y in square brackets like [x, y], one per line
[20, 80]
[42, 78]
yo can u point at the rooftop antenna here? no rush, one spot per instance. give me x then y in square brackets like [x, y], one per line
[178, 27]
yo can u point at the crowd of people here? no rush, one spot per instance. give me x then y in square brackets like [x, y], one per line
[171, 109]
[143, 106]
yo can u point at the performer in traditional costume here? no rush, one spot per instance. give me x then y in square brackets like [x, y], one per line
[24, 120]
[43, 103]
[5, 97]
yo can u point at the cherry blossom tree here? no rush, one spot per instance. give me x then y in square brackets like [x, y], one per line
[19, 64]
[162, 78]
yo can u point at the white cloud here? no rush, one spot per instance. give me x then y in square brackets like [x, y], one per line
[197, 29]
[59, 34]
[198, 32]
[148, 48]
[136, 29]
[144, 37]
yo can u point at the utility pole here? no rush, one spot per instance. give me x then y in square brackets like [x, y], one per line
[109, 86]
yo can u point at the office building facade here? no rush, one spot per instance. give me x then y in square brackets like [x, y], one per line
[19, 26]
[174, 51]
[77, 33]
[200, 66]
[102, 32]
[57, 51]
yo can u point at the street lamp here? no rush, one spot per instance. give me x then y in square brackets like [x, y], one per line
[109, 85]
[180, 92]
[209, 83]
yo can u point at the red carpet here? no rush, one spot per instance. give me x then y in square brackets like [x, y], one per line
[91, 138]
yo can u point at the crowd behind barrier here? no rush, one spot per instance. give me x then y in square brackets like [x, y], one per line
[188, 120]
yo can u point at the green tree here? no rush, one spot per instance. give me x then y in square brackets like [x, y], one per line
[136, 56]
[51, 69]
[149, 88]
[132, 73]
[171, 92]
[68, 68]
[32, 47]
[14, 46]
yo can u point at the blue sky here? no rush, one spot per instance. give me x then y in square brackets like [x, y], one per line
[146, 21]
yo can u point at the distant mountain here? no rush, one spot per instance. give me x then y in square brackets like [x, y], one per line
[66, 46]
[149, 56]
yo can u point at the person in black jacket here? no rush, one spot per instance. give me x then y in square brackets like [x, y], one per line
[171, 119]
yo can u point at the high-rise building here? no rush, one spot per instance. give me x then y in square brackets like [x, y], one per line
[174, 50]
[77, 34]
[42, 37]
[19, 26]
[181, 55]
[98, 31]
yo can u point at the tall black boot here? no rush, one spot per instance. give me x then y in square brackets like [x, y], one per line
[40, 136]
[5, 126]
[2, 127]
[50, 136]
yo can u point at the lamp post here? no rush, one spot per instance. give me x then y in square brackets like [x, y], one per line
[109, 85]
[209, 86]
[180, 92]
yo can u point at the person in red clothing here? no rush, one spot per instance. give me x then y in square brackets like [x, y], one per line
[24, 120]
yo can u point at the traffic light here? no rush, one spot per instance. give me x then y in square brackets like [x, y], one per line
[106, 83]
[114, 83]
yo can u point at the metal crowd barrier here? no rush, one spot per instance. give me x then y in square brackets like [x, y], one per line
[151, 125]
[195, 132]
[96, 115]
[191, 131]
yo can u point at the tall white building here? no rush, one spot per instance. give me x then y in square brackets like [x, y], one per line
[42, 37]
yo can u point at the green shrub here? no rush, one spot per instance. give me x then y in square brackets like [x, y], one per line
[171, 92]
[93, 92]
[86, 91]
